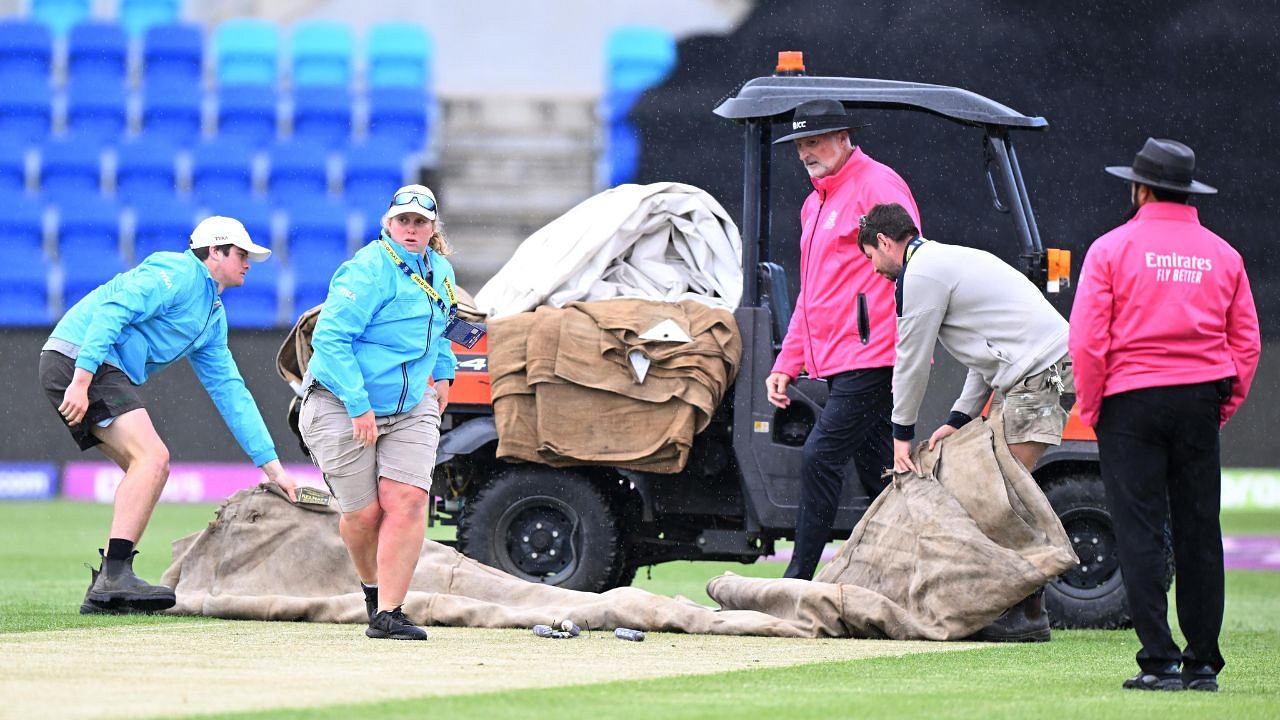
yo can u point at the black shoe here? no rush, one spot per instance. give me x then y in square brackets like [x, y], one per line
[114, 589]
[393, 625]
[1025, 622]
[1168, 679]
[1202, 678]
[370, 600]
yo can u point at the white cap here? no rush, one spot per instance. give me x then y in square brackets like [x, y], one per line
[218, 230]
[413, 199]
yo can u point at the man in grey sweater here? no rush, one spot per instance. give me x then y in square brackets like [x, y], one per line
[989, 317]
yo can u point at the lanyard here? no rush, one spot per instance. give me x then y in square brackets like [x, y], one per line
[450, 311]
[912, 246]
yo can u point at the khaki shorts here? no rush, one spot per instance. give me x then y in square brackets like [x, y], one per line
[405, 451]
[1033, 409]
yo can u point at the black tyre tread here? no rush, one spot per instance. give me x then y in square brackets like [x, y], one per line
[1073, 491]
[602, 566]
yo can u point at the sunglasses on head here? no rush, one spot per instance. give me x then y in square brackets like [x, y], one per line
[424, 201]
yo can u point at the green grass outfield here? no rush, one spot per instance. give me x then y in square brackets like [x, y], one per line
[44, 544]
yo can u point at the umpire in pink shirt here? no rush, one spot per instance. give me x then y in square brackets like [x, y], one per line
[843, 326]
[1164, 337]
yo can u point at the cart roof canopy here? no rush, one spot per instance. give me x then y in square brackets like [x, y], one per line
[775, 97]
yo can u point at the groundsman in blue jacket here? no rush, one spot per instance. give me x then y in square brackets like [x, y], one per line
[167, 308]
[375, 389]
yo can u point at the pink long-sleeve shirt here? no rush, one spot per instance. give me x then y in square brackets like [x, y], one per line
[823, 334]
[1162, 301]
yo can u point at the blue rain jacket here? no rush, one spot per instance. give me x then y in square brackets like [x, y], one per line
[380, 337]
[165, 309]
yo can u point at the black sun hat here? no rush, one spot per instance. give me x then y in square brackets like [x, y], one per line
[815, 117]
[1166, 164]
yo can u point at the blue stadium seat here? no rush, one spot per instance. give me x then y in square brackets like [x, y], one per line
[26, 53]
[88, 228]
[318, 239]
[221, 168]
[21, 221]
[60, 15]
[13, 164]
[398, 116]
[399, 55]
[252, 211]
[173, 53]
[298, 170]
[24, 288]
[161, 223]
[80, 276]
[97, 52]
[256, 304]
[139, 16]
[372, 172]
[71, 167]
[322, 115]
[96, 110]
[172, 111]
[246, 52]
[26, 115]
[321, 52]
[247, 113]
[146, 167]
[636, 59]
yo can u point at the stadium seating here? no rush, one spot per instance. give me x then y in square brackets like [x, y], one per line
[322, 115]
[21, 222]
[298, 170]
[97, 53]
[221, 168]
[251, 210]
[71, 166]
[398, 116]
[247, 113]
[172, 111]
[246, 52]
[399, 55]
[173, 53]
[24, 294]
[161, 223]
[96, 110]
[321, 54]
[319, 242]
[60, 15]
[146, 167]
[139, 16]
[372, 171]
[26, 53]
[256, 304]
[81, 275]
[25, 113]
[66, 143]
[636, 59]
[13, 165]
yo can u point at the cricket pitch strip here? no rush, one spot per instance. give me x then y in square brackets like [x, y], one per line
[226, 666]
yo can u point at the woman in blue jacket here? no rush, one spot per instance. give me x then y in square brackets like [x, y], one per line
[376, 386]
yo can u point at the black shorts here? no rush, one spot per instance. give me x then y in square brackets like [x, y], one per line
[111, 393]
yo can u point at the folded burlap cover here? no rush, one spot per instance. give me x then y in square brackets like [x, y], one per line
[932, 559]
[565, 392]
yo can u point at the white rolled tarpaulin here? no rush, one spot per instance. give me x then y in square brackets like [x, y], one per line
[663, 241]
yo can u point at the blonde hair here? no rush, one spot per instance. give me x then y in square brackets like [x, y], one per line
[437, 242]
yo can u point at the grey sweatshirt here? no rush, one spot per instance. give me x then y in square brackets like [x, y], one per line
[985, 313]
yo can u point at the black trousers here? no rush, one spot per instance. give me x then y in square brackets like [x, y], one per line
[1160, 458]
[854, 425]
